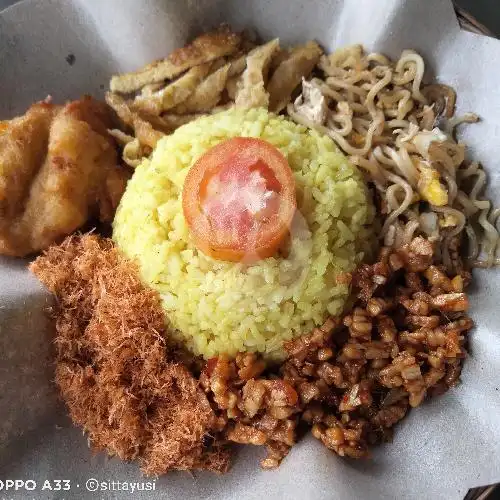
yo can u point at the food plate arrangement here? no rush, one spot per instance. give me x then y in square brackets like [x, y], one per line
[297, 219]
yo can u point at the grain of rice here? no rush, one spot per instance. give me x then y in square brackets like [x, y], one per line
[222, 307]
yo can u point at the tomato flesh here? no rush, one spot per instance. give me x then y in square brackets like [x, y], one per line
[239, 195]
[239, 200]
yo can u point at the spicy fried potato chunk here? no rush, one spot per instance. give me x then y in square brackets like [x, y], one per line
[58, 168]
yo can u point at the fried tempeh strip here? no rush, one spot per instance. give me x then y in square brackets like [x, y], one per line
[251, 88]
[207, 94]
[173, 94]
[146, 134]
[232, 87]
[282, 55]
[143, 129]
[238, 65]
[121, 108]
[175, 121]
[133, 151]
[201, 50]
[149, 89]
[290, 72]
[129, 116]
[120, 136]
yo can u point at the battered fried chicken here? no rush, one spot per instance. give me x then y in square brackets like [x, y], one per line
[120, 382]
[58, 168]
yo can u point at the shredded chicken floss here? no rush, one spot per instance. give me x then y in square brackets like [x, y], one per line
[119, 381]
[351, 380]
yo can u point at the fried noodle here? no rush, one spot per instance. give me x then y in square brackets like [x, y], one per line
[400, 132]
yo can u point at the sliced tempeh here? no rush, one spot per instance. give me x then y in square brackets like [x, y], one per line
[133, 153]
[207, 94]
[147, 135]
[149, 89]
[279, 57]
[120, 107]
[173, 94]
[203, 49]
[238, 65]
[175, 121]
[251, 91]
[143, 129]
[120, 136]
[232, 87]
[288, 75]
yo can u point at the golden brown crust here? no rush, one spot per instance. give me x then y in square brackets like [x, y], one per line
[143, 128]
[174, 93]
[203, 49]
[289, 73]
[251, 92]
[23, 144]
[113, 367]
[57, 163]
[207, 95]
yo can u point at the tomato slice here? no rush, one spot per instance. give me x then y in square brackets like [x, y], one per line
[239, 200]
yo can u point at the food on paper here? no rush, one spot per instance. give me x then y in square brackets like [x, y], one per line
[401, 133]
[119, 380]
[58, 168]
[293, 248]
[223, 306]
[239, 200]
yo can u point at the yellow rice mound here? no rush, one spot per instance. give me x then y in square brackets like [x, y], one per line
[217, 307]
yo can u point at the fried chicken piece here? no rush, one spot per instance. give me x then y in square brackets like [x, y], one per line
[114, 370]
[58, 168]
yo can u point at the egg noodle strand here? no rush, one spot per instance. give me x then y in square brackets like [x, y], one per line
[400, 132]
